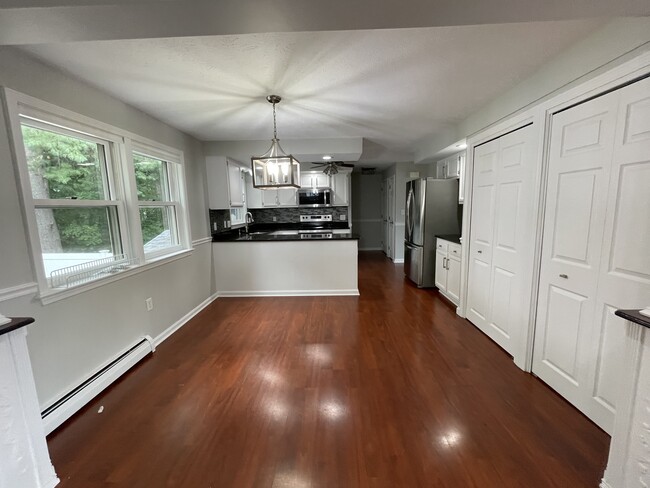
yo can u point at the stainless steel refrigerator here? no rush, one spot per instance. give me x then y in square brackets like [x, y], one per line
[431, 208]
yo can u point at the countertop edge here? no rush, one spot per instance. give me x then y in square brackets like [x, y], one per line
[634, 316]
[15, 324]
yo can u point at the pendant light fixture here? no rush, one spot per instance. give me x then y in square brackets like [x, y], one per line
[275, 168]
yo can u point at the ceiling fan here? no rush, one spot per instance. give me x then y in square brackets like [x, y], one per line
[332, 167]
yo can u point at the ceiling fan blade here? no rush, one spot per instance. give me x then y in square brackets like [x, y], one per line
[345, 165]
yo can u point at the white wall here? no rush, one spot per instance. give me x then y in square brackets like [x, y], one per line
[73, 337]
[366, 210]
[615, 43]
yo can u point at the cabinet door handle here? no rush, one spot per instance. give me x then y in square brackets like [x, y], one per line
[444, 263]
[480, 252]
[566, 277]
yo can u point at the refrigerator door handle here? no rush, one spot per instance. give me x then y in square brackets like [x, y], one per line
[409, 213]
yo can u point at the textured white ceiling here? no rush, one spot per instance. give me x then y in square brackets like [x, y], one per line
[392, 87]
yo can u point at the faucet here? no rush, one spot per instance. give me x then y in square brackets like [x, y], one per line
[248, 219]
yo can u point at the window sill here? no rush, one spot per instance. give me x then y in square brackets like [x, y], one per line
[54, 295]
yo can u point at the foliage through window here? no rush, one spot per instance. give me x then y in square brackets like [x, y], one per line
[156, 201]
[76, 215]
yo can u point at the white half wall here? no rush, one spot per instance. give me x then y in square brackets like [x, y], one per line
[286, 268]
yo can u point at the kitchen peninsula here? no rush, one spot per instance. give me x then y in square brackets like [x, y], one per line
[286, 262]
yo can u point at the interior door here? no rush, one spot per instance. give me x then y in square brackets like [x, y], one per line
[384, 226]
[502, 237]
[595, 255]
[390, 215]
[481, 233]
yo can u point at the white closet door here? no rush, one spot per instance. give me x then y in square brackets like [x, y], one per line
[481, 233]
[595, 255]
[512, 252]
[502, 237]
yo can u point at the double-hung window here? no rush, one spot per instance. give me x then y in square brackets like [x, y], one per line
[156, 178]
[76, 208]
[98, 200]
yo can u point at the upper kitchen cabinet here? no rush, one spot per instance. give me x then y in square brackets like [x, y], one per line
[453, 167]
[341, 188]
[314, 179]
[226, 187]
[253, 195]
[282, 197]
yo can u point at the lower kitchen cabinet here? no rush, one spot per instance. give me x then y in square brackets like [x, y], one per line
[447, 278]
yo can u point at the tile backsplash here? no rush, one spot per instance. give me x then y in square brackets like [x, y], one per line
[283, 215]
[292, 214]
[217, 217]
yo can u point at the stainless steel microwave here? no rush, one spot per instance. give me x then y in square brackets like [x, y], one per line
[312, 197]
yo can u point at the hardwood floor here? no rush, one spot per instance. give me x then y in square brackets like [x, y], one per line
[390, 389]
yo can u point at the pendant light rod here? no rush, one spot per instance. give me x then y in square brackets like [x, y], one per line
[274, 99]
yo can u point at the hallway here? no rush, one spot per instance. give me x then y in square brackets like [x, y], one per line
[389, 389]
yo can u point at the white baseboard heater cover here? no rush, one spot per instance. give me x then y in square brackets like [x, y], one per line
[72, 402]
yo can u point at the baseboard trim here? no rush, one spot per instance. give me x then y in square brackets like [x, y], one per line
[289, 293]
[74, 401]
[18, 291]
[605, 484]
[183, 320]
[398, 261]
[370, 249]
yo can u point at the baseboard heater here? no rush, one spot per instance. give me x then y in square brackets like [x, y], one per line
[73, 401]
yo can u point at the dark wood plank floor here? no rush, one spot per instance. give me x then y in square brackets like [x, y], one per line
[390, 389]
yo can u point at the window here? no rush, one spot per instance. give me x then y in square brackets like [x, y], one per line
[158, 203]
[94, 207]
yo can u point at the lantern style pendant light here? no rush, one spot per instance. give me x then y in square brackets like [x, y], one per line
[275, 168]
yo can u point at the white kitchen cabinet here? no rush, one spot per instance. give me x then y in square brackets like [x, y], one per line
[341, 188]
[453, 167]
[253, 195]
[225, 183]
[287, 197]
[447, 279]
[282, 197]
[314, 179]
[236, 187]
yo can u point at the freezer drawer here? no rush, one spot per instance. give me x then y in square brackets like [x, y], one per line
[413, 261]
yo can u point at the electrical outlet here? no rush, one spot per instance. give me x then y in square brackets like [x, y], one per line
[149, 303]
[275, 219]
[343, 217]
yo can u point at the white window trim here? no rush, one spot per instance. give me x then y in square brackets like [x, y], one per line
[179, 198]
[122, 145]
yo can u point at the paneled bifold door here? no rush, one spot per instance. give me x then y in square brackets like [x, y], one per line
[502, 237]
[596, 246]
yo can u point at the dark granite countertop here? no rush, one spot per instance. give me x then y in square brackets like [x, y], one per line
[16, 323]
[455, 238]
[291, 232]
[634, 316]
